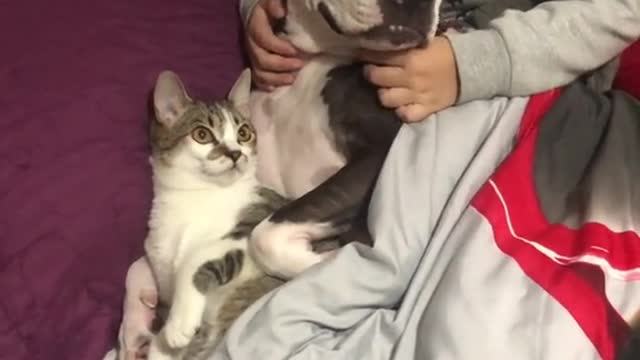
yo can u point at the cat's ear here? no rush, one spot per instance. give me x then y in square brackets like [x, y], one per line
[170, 99]
[239, 93]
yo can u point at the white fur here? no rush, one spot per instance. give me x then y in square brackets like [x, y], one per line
[290, 244]
[295, 156]
[189, 218]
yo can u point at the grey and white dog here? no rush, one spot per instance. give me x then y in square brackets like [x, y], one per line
[323, 140]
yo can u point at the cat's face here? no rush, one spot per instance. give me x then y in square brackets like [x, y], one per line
[213, 142]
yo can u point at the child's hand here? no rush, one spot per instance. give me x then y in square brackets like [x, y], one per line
[273, 59]
[416, 82]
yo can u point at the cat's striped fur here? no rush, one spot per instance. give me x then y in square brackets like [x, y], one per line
[207, 201]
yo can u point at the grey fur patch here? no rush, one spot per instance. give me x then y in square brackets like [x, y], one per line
[242, 297]
[218, 272]
[358, 120]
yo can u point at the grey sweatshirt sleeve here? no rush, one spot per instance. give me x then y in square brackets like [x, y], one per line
[246, 8]
[522, 53]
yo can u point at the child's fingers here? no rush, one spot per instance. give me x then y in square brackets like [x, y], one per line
[413, 112]
[273, 62]
[260, 32]
[395, 97]
[394, 58]
[149, 298]
[385, 76]
[275, 8]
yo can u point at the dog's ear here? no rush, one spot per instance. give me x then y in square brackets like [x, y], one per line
[239, 93]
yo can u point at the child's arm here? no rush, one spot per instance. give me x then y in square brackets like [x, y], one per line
[519, 53]
[522, 53]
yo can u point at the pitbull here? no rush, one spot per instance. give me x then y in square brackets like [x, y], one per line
[323, 140]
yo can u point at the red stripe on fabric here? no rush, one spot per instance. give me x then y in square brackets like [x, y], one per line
[628, 77]
[522, 232]
[589, 307]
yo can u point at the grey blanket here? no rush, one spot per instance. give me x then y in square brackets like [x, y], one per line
[463, 266]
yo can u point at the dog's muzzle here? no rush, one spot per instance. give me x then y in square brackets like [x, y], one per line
[405, 23]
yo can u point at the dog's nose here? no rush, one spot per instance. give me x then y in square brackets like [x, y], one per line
[233, 154]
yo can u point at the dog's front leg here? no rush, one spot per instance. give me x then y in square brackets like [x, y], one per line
[281, 244]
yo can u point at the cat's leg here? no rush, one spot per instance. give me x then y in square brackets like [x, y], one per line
[140, 300]
[204, 269]
[282, 244]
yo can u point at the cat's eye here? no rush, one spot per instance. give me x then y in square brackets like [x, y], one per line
[245, 134]
[202, 135]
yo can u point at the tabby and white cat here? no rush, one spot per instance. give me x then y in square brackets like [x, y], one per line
[206, 202]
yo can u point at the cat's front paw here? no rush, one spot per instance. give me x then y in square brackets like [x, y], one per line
[179, 332]
[185, 317]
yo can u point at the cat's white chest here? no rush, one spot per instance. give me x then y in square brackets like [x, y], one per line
[182, 222]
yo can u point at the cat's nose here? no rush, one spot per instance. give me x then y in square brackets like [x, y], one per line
[233, 154]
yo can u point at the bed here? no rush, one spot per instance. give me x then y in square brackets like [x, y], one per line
[74, 174]
[75, 187]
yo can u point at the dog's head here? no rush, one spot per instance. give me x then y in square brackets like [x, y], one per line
[330, 25]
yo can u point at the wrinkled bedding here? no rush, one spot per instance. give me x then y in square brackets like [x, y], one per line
[75, 190]
[74, 176]
[511, 236]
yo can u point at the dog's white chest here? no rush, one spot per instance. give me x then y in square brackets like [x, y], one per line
[295, 145]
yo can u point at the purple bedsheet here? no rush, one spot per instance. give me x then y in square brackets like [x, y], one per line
[74, 176]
